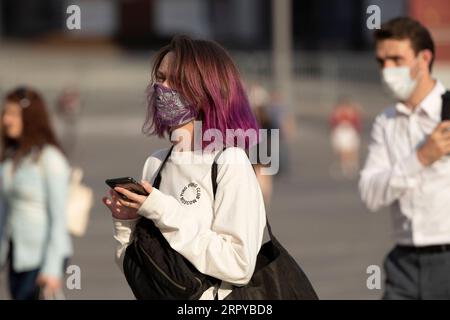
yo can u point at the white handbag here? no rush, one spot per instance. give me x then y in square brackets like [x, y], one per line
[79, 204]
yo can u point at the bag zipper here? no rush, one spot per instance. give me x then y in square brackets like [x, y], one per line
[162, 271]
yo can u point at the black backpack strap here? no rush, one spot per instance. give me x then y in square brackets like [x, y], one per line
[215, 281]
[218, 282]
[214, 172]
[445, 114]
[157, 180]
[214, 184]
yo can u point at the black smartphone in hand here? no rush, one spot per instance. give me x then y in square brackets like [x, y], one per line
[127, 183]
[445, 114]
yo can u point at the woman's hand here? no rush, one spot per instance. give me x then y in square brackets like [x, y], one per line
[50, 285]
[126, 209]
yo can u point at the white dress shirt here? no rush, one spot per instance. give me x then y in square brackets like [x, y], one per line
[418, 196]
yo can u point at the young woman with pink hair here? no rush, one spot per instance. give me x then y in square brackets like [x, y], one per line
[221, 234]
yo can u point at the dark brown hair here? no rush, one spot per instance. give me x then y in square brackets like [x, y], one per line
[406, 28]
[37, 130]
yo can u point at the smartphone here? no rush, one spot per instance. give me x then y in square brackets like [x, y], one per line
[445, 114]
[127, 183]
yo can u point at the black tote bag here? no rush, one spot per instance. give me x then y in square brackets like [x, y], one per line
[277, 276]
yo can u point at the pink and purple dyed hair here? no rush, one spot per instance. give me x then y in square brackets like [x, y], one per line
[206, 76]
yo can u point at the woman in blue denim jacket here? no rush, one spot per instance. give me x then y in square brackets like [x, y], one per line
[34, 187]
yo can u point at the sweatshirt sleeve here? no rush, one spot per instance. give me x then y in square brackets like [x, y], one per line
[123, 230]
[228, 249]
[382, 182]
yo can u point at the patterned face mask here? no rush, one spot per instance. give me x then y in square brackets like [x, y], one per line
[171, 109]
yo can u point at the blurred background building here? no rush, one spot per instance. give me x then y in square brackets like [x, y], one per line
[240, 24]
[107, 63]
[244, 26]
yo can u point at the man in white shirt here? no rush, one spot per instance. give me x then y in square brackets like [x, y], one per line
[408, 167]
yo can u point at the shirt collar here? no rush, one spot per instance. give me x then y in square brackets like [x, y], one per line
[431, 104]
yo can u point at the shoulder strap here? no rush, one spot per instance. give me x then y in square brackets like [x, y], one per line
[157, 180]
[214, 172]
[446, 105]
[214, 184]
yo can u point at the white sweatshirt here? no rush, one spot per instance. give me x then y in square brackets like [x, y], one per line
[220, 238]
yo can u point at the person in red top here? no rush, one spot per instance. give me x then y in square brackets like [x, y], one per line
[345, 124]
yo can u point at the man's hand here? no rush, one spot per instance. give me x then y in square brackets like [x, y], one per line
[436, 146]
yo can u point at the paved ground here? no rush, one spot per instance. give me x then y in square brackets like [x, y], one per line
[320, 220]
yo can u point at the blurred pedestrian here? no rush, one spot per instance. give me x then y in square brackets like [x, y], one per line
[345, 124]
[283, 120]
[408, 167]
[221, 234]
[259, 99]
[68, 110]
[35, 179]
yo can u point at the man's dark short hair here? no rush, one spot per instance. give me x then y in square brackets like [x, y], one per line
[406, 28]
